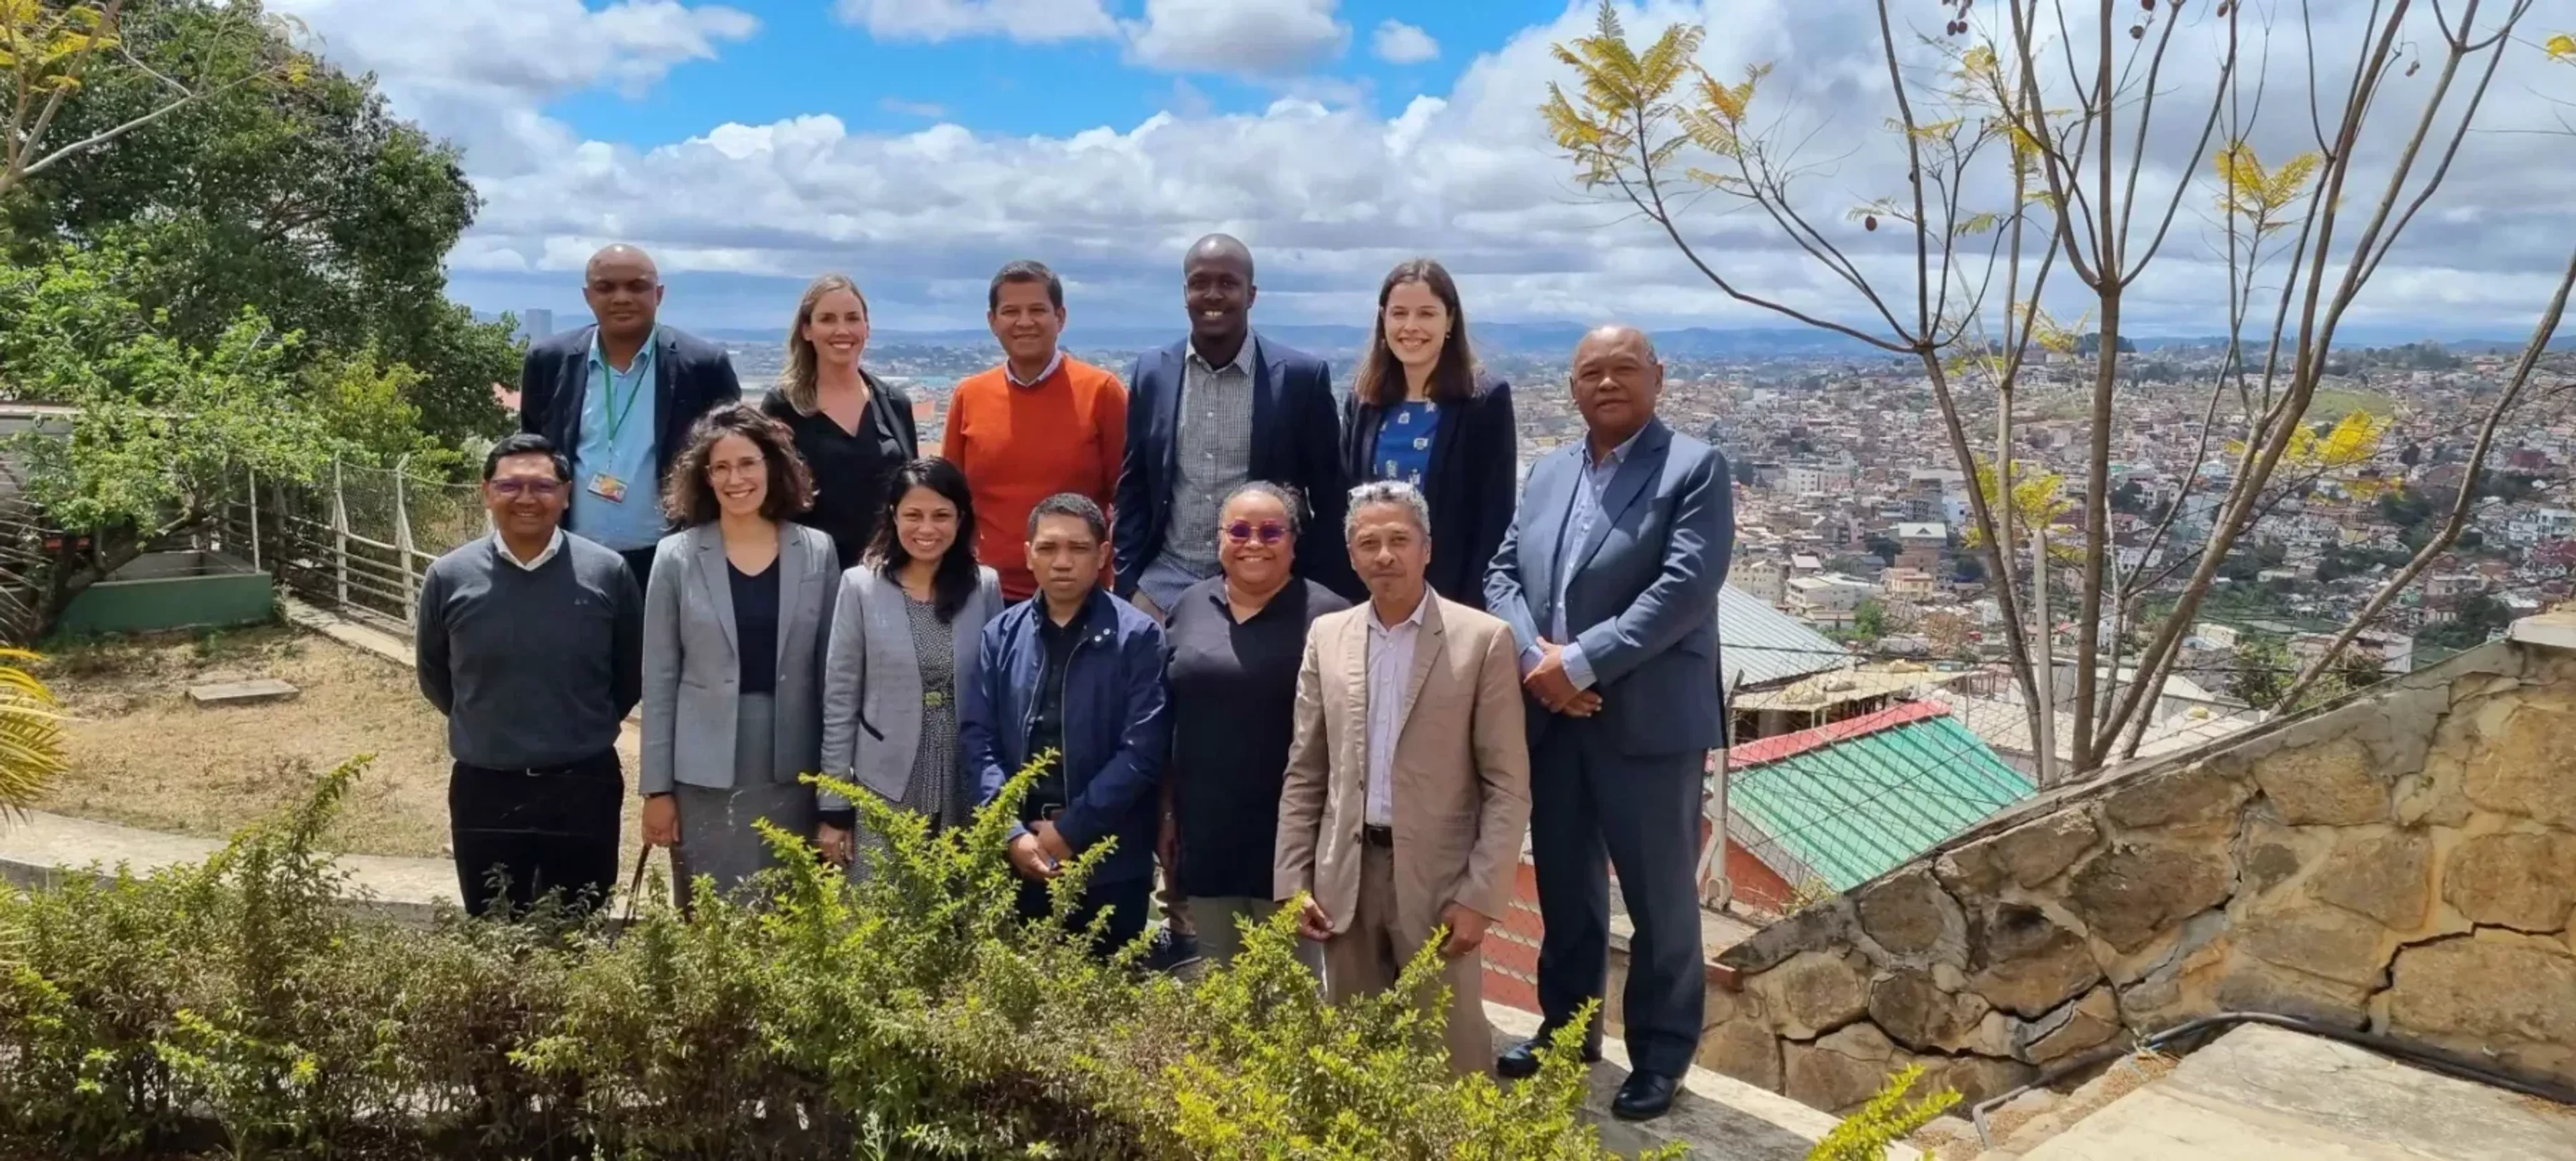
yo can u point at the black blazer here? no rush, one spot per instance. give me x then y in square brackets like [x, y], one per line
[1296, 440]
[1471, 485]
[691, 377]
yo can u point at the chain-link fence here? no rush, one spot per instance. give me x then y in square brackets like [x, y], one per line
[358, 540]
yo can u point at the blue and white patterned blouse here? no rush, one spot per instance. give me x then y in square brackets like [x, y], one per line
[1404, 442]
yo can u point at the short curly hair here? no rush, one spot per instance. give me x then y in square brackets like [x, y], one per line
[689, 498]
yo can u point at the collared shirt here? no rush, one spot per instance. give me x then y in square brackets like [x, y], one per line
[1588, 489]
[1055, 363]
[1214, 455]
[1390, 671]
[553, 545]
[616, 442]
[1046, 719]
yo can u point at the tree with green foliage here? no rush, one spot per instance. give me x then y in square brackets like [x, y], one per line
[278, 183]
[1869, 619]
[159, 430]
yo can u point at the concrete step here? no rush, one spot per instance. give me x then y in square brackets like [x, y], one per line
[1717, 1117]
[2268, 1094]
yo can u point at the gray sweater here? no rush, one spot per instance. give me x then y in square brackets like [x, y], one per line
[533, 669]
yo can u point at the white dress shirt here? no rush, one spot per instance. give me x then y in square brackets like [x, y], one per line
[1390, 669]
[553, 546]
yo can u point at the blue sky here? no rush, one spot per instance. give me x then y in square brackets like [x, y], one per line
[919, 144]
[806, 61]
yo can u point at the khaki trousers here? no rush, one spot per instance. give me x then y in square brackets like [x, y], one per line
[1367, 958]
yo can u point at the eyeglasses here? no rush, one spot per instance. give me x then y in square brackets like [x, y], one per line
[540, 489]
[1243, 532]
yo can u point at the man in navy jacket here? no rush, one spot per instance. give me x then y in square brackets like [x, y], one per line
[1609, 580]
[618, 399]
[1075, 673]
[1210, 412]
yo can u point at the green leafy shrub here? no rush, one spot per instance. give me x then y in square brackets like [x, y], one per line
[239, 1005]
[1885, 1120]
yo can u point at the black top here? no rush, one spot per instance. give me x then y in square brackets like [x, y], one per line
[534, 670]
[1046, 721]
[755, 625]
[1233, 709]
[850, 470]
[1472, 485]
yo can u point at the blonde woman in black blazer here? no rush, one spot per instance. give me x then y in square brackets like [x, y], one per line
[1421, 413]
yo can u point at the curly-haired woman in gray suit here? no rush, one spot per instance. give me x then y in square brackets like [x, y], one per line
[735, 618]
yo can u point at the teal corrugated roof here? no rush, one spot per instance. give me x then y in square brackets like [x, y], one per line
[1854, 808]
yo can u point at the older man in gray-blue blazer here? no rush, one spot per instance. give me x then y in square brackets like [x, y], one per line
[1609, 579]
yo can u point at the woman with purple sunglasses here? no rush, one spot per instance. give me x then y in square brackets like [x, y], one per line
[1234, 643]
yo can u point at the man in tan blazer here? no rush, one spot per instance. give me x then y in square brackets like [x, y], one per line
[1408, 780]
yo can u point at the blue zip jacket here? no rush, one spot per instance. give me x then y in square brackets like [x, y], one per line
[1115, 733]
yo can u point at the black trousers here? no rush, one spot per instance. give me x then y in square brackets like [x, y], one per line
[1126, 901]
[1593, 808]
[639, 561]
[519, 834]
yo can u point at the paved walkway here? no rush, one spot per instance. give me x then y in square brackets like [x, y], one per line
[2267, 1094]
[38, 849]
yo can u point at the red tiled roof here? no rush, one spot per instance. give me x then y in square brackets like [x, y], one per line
[1789, 745]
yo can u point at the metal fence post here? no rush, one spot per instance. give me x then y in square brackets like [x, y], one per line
[339, 537]
[402, 541]
[254, 517]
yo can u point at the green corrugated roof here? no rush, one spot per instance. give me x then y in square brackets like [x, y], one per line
[1855, 808]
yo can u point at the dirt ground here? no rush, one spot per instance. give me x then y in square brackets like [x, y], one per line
[143, 755]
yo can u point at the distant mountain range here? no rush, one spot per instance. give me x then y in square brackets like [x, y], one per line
[1558, 338]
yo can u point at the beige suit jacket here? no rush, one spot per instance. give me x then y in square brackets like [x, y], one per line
[1460, 778]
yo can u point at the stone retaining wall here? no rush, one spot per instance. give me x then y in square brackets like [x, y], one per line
[2405, 862]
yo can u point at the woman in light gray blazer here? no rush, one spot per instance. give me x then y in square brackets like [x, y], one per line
[904, 642]
[735, 619]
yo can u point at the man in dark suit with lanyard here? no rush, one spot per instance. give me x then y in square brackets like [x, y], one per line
[618, 398]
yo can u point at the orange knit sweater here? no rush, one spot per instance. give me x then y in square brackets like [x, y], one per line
[1020, 445]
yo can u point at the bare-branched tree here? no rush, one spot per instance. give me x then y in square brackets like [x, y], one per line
[2041, 165]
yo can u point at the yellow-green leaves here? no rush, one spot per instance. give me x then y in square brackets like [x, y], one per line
[1639, 109]
[31, 734]
[2561, 47]
[2259, 195]
[2352, 443]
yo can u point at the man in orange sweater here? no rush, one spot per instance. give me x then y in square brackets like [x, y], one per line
[1039, 424]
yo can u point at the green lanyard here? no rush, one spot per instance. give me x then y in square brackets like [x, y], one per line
[635, 390]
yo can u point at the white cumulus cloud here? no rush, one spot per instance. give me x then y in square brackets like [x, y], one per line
[1403, 44]
[1254, 37]
[1028, 21]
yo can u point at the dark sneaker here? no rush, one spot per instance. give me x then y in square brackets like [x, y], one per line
[1172, 950]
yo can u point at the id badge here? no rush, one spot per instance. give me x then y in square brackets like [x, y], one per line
[608, 487]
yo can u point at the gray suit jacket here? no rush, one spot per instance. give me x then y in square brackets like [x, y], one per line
[872, 680]
[1642, 596]
[693, 675]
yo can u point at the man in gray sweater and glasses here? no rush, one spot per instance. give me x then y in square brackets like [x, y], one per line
[530, 641]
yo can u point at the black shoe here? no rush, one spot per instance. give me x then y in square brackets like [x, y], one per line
[1646, 1096]
[1520, 1061]
[1172, 951]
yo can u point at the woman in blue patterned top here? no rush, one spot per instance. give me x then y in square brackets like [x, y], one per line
[1421, 411]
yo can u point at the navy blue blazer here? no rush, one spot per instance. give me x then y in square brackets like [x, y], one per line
[1296, 440]
[1115, 732]
[1475, 468]
[1643, 599]
[691, 377]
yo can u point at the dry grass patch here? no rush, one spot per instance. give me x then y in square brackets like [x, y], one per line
[143, 755]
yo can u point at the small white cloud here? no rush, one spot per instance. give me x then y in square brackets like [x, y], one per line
[1402, 44]
[1026, 21]
[906, 108]
[1262, 38]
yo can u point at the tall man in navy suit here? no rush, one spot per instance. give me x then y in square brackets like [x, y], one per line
[1609, 579]
[618, 397]
[1221, 407]
[1205, 415]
